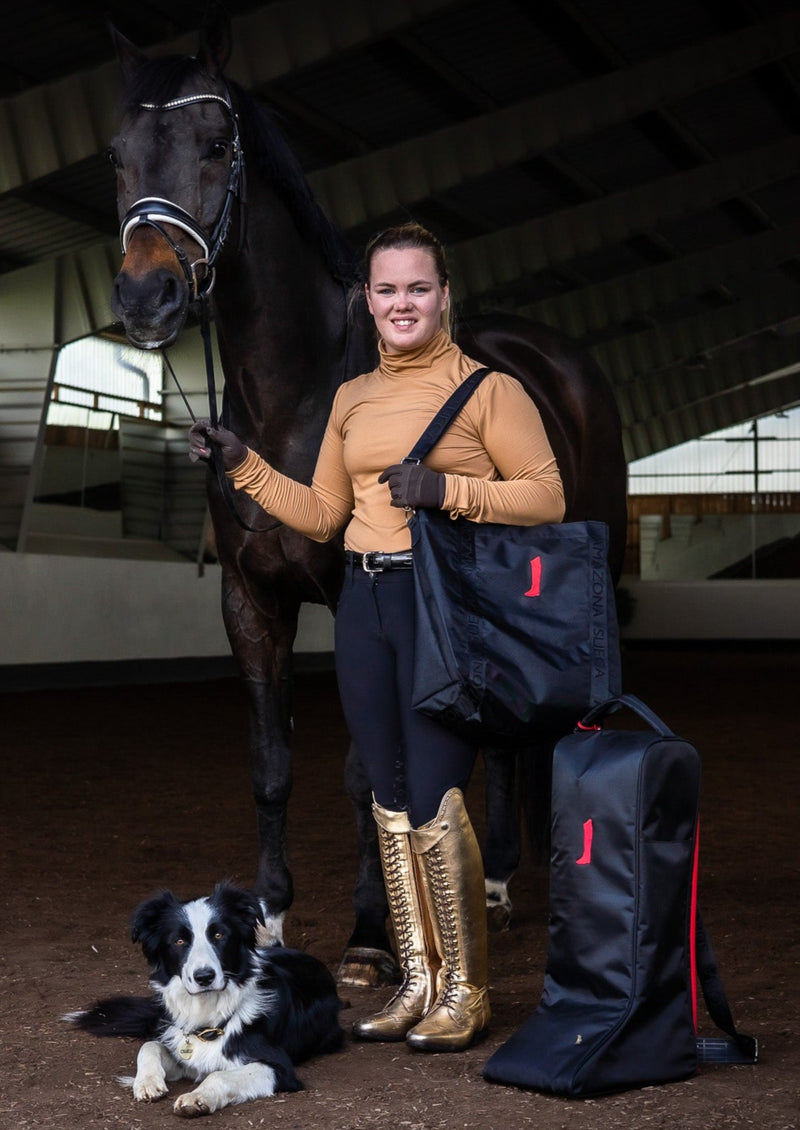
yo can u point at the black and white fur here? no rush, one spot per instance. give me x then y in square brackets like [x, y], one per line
[225, 1012]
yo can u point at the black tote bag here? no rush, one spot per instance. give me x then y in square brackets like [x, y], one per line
[515, 626]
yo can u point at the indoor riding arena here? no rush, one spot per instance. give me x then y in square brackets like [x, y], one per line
[620, 176]
[110, 793]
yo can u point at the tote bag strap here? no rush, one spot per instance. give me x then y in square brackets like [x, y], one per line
[444, 417]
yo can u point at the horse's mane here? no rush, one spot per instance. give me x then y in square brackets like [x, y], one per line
[159, 80]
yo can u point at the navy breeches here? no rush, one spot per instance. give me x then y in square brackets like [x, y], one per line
[411, 760]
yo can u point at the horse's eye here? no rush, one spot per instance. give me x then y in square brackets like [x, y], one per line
[218, 149]
[111, 154]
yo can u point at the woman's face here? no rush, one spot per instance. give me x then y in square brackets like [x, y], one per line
[405, 297]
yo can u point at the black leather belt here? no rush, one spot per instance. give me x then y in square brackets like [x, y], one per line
[377, 562]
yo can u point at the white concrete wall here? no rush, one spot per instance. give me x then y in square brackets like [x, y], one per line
[72, 609]
[713, 610]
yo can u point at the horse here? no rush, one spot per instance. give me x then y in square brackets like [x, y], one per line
[288, 333]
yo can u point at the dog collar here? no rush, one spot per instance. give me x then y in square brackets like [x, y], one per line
[206, 1035]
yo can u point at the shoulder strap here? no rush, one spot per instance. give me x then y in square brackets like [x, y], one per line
[445, 416]
[738, 1048]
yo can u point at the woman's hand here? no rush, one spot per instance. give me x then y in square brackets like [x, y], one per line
[231, 448]
[414, 486]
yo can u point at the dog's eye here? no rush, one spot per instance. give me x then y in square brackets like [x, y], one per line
[180, 941]
[218, 936]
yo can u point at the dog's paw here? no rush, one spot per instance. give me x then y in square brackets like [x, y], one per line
[191, 1105]
[149, 1088]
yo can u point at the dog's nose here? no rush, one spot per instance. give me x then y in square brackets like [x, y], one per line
[204, 976]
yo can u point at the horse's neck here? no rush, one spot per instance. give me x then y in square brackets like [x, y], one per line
[284, 341]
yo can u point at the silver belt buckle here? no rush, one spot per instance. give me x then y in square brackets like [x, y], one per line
[367, 563]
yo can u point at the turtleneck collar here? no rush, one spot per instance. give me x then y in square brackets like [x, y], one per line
[416, 360]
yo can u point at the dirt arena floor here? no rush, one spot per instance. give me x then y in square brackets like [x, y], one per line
[110, 793]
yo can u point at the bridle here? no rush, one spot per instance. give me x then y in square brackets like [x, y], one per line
[155, 211]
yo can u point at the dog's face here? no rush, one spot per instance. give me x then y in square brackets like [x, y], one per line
[206, 943]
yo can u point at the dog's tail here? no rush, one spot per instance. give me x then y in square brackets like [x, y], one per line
[140, 1017]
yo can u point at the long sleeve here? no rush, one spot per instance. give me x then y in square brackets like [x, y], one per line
[319, 511]
[497, 460]
[529, 490]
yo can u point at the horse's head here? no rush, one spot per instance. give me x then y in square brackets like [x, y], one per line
[179, 169]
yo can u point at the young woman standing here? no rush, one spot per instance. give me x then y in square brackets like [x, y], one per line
[494, 464]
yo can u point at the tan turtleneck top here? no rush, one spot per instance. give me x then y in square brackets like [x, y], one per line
[496, 457]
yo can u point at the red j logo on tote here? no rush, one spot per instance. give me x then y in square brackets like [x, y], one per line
[588, 831]
[536, 577]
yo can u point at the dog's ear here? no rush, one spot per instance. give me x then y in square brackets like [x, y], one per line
[148, 920]
[244, 906]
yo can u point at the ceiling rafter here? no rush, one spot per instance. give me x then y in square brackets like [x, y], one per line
[518, 179]
[639, 293]
[496, 259]
[368, 187]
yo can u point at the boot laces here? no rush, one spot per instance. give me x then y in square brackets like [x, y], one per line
[447, 915]
[398, 892]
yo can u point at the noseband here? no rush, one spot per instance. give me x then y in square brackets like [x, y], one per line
[155, 211]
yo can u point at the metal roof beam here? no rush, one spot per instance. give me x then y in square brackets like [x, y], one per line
[645, 354]
[56, 125]
[495, 260]
[364, 188]
[638, 294]
[728, 406]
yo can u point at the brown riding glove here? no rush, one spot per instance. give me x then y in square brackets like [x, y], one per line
[414, 486]
[231, 448]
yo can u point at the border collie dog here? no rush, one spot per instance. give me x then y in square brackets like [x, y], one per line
[231, 1015]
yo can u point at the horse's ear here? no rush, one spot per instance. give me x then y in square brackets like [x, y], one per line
[215, 39]
[131, 59]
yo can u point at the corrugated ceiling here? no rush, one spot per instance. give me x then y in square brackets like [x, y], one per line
[604, 140]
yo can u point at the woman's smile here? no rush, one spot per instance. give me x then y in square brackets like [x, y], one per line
[405, 298]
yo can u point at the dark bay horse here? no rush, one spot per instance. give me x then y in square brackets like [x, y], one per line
[288, 334]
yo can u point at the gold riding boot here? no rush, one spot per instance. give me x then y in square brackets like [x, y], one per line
[418, 961]
[453, 884]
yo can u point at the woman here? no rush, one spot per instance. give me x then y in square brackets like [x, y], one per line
[493, 464]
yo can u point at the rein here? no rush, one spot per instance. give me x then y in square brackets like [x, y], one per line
[216, 458]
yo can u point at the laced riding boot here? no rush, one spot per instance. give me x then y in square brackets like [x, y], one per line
[453, 884]
[418, 961]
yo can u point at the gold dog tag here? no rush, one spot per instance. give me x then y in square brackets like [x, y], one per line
[186, 1050]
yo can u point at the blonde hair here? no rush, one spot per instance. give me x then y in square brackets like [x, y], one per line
[411, 236]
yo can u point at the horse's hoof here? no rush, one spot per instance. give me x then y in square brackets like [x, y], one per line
[498, 917]
[368, 968]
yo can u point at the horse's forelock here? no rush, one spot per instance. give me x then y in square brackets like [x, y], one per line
[159, 80]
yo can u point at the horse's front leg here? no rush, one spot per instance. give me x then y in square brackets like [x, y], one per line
[368, 960]
[271, 773]
[262, 646]
[517, 793]
[503, 844]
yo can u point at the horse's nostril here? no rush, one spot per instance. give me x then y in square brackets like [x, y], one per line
[204, 976]
[170, 292]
